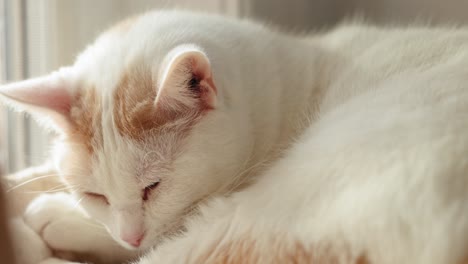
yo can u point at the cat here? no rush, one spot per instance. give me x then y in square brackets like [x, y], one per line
[195, 138]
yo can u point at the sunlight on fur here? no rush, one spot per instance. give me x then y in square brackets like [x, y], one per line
[194, 138]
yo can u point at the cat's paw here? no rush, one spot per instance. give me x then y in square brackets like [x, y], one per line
[29, 247]
[49, 208]
[53, 217]
[70, 233]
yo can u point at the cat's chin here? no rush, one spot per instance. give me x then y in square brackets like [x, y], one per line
[130, 247]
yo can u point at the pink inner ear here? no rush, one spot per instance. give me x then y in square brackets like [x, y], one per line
[56, 99]
[202, 70]
[209, 93]
[183, 65]
[46, 92]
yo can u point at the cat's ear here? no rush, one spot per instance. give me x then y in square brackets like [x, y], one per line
[47, 99]
[186, 80]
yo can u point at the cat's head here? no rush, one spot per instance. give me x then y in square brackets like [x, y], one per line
[146, 125]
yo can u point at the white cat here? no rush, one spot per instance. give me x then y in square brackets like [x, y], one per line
[201, 139]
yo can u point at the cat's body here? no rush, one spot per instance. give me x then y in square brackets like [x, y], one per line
[345, 146]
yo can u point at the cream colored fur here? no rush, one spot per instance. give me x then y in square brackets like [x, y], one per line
[348, 145]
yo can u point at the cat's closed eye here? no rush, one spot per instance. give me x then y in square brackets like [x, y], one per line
[97, 196]
[148, 189]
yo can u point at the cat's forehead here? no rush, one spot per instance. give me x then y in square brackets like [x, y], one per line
[128, 113]
[124, 110]
[114, 87]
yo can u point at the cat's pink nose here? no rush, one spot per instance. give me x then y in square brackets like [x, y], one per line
[134, 240]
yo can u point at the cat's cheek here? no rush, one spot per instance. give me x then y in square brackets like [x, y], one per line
[60, 154]
[107, 219]
[101, 213]
[72, 161]
[97, 210]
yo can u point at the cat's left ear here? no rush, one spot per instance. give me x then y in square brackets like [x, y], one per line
[186, 80]
[47, 99]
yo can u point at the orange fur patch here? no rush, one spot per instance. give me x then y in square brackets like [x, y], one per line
[249, 251]
[136, 115]
[85, 117]
[135, 111]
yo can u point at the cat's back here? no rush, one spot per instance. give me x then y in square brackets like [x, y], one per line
[384, 166]
[361, 58]
[389, 43]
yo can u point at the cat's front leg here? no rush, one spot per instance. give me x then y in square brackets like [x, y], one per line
[67, 230]
[29, 248]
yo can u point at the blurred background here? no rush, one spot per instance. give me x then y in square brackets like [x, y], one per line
[38, 36]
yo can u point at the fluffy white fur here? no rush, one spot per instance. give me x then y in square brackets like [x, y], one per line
[349, 143]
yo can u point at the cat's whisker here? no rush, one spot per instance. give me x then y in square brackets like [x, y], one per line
[78, 203]
[63, 188]
[47, 191]
[31, 181]
[57, 188]
[36, 179]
